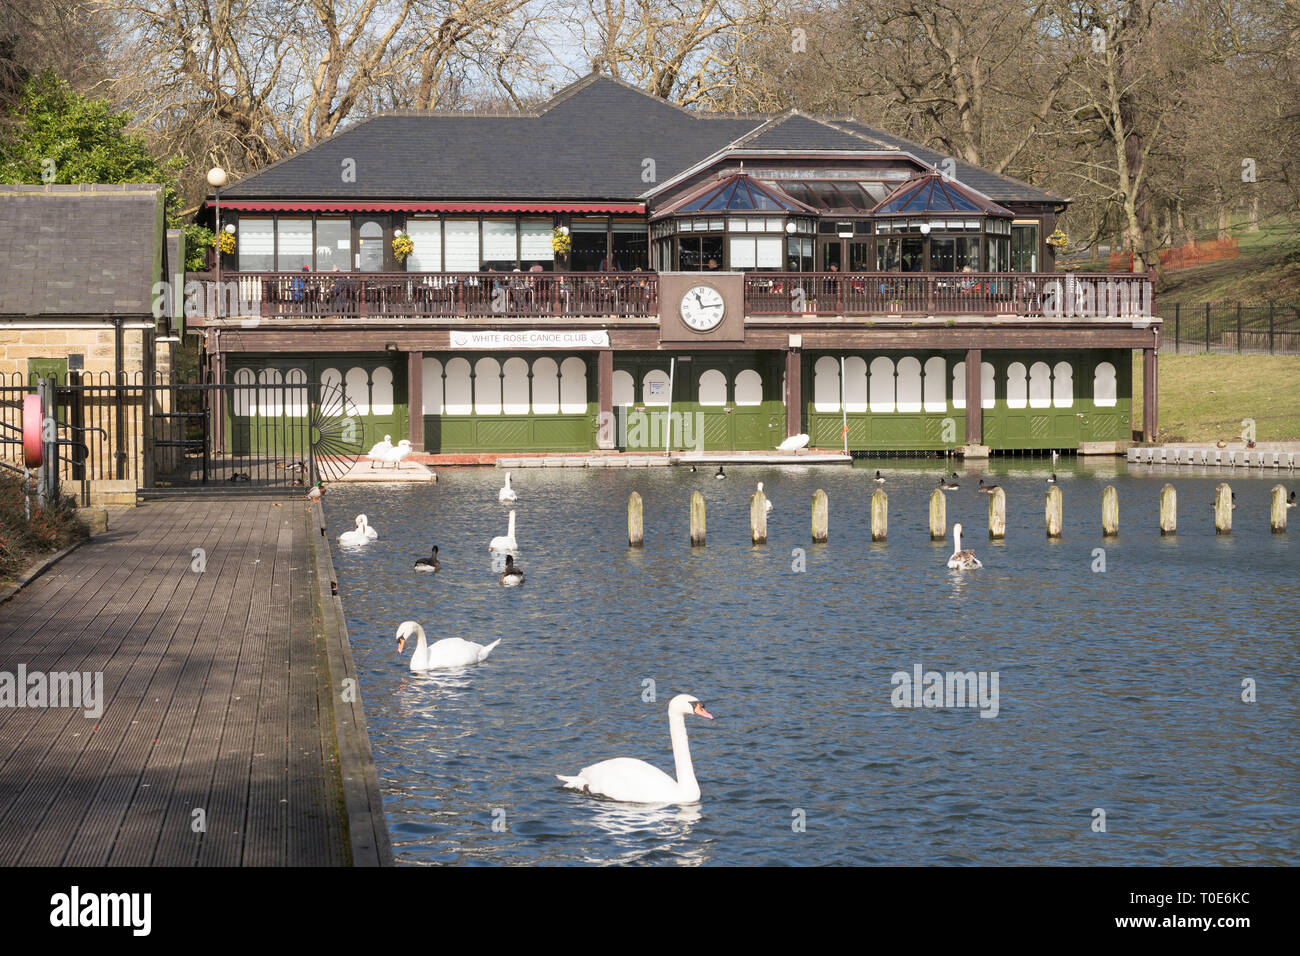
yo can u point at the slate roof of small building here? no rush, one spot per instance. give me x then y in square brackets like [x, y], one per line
[591, 141]
[79, 249]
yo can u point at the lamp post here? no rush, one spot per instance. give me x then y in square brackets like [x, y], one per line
[216, 179]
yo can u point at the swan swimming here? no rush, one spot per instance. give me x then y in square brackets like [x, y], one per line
[429, 564]
[359, 535]
[507, 494]
[513, 575]
[634, 781]
[962, 560]
[364, 523]
[505, 542]
[448, 652]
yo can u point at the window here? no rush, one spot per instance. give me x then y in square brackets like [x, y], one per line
[590, 244]
[535, 244]
[462, 246]
[631, 249]
[426, 234]
[293, 237]
[500, 251]
[333, 245]
[1024, 247]
[799, 255]
[370, 246]
[256, 245]
[1104, 385]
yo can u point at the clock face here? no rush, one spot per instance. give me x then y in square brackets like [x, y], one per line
[702, 308]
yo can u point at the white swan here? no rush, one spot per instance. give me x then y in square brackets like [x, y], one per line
[635, 781]
[357, 536]
[507, 494]
[505, 542]
[381, 450]
[793, 443]
[962, 560]
[401, 451]
[364, 524]
[448, 652]
[768, 509]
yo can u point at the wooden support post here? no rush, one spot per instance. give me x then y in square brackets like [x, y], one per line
[1222, 508]
[974, 398]
[1150, 394]
[793, 392]
[820, 517]
[758, 518]
[415, 400]
[997, 514]
[879, 515]
[938, 515]
[606, 427]
[1168, 510]
[1055, 507]
[1109, 512]
[697, 519]
[1277, 510]
[635, 525]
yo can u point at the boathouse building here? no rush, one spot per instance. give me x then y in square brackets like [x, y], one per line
[494, 282]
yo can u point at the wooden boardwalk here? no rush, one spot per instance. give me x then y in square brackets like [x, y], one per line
[217, 744]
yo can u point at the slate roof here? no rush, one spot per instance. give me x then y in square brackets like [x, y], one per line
[589, 142]
[80, 249]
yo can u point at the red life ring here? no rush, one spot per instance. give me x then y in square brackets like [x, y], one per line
[33, 447]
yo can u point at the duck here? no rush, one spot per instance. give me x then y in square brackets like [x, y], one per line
[364, 523]
[946, 484]
[381, 450]
[768, 502]
[879, 479]
[240, 476]
[693, 468]
[507, 494]
[356, 536]
[986, 489]
[1052, 480]
[317, 492]
[429, 564]
[720, 473]
[505, 542]
[629, 780]
[398, 454]
[962, 560]
[448, 652]
[1291, 502]
[1220, 444]
[513, 575]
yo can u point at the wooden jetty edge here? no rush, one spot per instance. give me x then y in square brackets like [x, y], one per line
[367, 826]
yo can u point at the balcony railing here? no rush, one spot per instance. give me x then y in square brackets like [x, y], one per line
[635, 295]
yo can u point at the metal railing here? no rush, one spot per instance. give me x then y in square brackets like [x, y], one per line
[1248, 328]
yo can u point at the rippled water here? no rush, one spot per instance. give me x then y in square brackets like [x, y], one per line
[1118, 690]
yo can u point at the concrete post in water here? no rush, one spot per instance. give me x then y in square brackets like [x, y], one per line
[635, 528]
[1168, 510]
[1277, 510]
[1109, 512]
[697, 518]
[1222, 508]
[997, 514]
[938, 515]
[1054, 508]
[879, 515]
[758, 518]
[820, 517]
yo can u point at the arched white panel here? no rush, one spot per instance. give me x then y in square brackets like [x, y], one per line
[1040, 385]
[432, 386]
[357, 386]
[381, 391]
[1017, 386]
[624, 388]
[295, 399]
[855, 384]
[959, 385]
[245, 398]
[654, 387]
[546, 386]
[936, 378]
[713, 388]
[487, 386]
[1104, 385]
[514, 391]
[909, 384]
[749, 388]
[1063, 385]
[988, 394]
[882, 384]
[826, 385]
[573, 386]
[459, 394]
[269, 399]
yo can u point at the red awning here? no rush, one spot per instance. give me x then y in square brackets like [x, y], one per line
[263, 205]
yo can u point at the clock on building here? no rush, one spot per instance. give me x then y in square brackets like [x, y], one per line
[702, 308]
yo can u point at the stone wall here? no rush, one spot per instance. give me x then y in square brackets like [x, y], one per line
[94, 345]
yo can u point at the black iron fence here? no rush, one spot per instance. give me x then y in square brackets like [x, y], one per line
[1247, 328]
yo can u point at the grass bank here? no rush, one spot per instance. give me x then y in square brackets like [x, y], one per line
[1205, 397]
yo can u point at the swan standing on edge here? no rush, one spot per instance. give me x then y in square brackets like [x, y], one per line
[382, 449]
[361, 535]
[962, 560]
[768, 510]
[430, 563]
[634, 781]
[507, 494]
[507, 541]
[400, 452]
[448, 652]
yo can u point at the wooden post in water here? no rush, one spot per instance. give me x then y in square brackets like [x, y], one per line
[938, 515]
[1222, 508]
[1109, 512]
[1168, 510]
[758, 518]
[820, 517]
[1277, 510]
[1054, 508]
[879, 515]
[697, 519]
[635, 528]
[997, 514]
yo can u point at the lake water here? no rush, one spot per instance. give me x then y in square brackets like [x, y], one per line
[1118, 691]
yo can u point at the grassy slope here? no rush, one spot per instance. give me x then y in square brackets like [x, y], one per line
[1205, 397]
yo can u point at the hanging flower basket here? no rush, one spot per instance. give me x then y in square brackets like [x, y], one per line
[225, 242]
[402, 247]
[561, 242]
[1058, 240]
